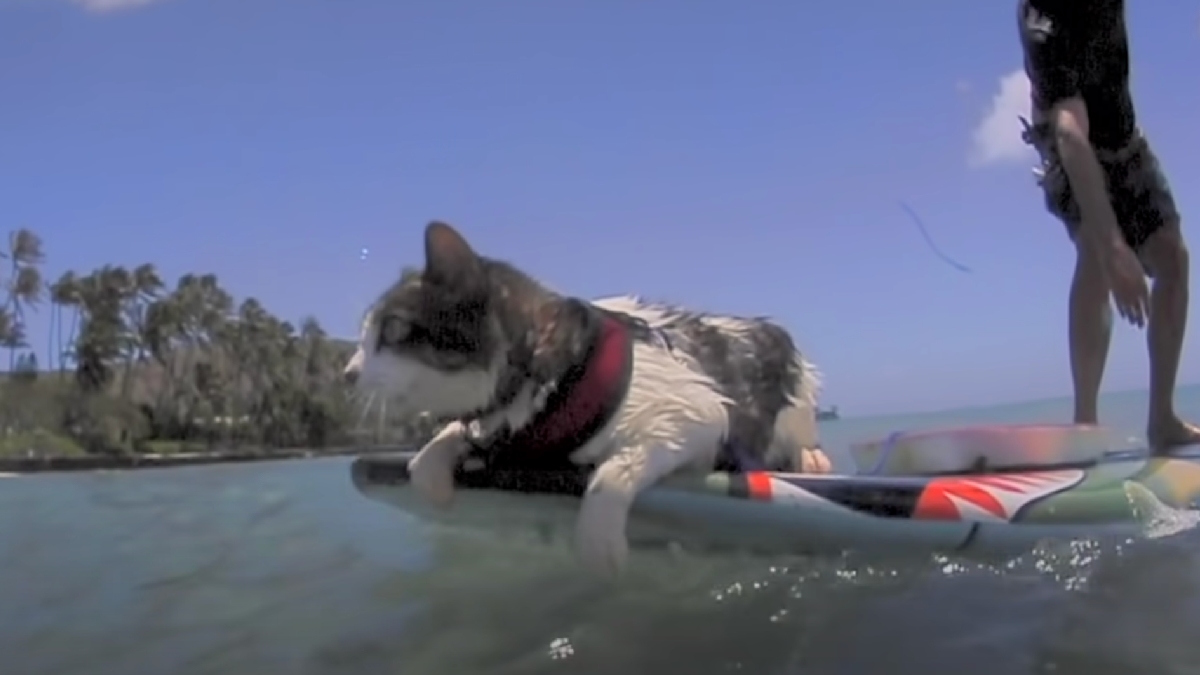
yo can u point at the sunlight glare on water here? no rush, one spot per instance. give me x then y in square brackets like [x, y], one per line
[765, 607]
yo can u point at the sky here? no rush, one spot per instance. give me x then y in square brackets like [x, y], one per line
[747, 158]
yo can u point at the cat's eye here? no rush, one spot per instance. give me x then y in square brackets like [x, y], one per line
[393, 330]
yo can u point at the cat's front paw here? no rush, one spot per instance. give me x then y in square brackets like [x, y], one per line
[600, 539]
[814, 460]
[433, 479]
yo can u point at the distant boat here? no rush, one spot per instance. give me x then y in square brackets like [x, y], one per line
[830, 413]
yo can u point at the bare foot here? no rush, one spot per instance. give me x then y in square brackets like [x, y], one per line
[814, 460]
[1172, 434]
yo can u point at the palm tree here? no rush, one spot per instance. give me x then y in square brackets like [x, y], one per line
[24, 286]
[102, 331]
[13, 338]
[64, 293]
[159, 336]
[137, 291]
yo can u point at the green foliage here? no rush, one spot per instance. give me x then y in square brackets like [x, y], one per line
[40, 442]
[137, 366]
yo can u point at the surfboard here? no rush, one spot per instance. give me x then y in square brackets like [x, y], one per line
[982, 490]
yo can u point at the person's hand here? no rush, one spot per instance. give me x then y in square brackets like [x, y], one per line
[1127, 279]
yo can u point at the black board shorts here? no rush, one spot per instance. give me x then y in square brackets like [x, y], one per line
[1137, 186]
[1063, 62]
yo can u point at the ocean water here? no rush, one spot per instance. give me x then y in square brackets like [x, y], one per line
[282, 568]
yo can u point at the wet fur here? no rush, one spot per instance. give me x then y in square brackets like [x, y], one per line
[485, 344]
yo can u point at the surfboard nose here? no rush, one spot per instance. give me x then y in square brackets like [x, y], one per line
[359, 474]
[378, 471]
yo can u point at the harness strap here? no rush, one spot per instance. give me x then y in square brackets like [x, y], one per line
[585, 400]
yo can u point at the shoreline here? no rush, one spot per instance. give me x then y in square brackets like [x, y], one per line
[17, 466]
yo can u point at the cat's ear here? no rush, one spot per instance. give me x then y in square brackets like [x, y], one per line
[449, 259]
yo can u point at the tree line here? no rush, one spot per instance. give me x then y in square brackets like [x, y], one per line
[137, 365]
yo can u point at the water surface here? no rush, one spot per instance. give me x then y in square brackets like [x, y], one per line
[281, 568]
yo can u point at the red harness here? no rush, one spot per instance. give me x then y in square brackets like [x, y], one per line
[585, 400]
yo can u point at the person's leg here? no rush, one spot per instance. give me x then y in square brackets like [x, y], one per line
[1154, 229]
[1089, 332]
[1167, 257]
[1089, 313]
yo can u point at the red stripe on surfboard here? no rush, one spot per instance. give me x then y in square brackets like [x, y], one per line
[759, 485]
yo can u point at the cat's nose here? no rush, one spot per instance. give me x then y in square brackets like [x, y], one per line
[351, 375]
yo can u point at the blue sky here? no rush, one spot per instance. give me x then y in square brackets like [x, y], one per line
[740, 157]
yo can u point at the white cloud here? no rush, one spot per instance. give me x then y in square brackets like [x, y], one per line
[997, 137]
[105, 6]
